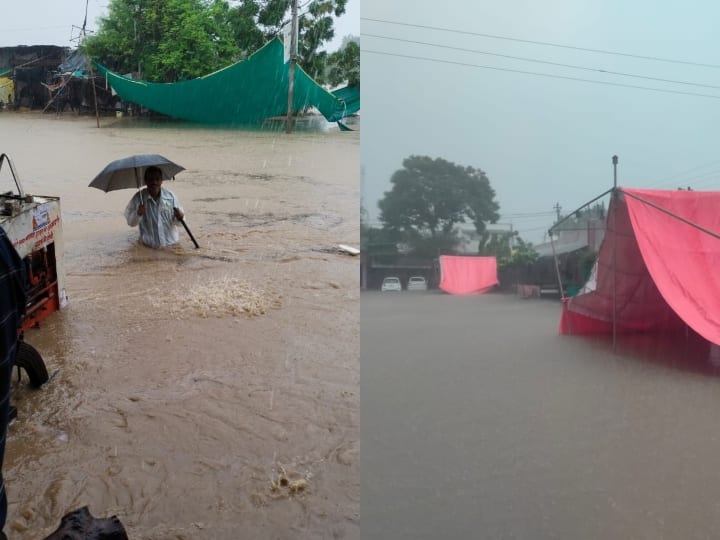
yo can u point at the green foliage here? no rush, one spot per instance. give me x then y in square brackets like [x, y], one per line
[524, 252]
[257, 21]
[344, 65]
[430, 197]
[316, 28]
[170, 40]
[497, 244]
[511, 251]
[165, 40]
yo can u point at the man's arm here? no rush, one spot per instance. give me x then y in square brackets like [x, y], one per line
[131, 210]
[177, 208]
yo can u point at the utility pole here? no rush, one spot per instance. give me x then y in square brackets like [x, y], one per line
[92, 73]
[557, 208]
[291, 67]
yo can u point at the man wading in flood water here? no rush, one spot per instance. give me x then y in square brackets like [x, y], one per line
[157, 211]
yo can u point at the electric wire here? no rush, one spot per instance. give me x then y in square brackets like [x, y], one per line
[545, 43]
[698, 180]
[546, 75]
[547, 62]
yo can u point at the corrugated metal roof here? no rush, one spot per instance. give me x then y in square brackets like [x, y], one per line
[546, 249]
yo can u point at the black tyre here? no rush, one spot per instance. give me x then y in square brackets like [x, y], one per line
[30, 360]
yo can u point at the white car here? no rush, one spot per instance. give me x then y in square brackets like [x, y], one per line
[417, 283]
[391, 284]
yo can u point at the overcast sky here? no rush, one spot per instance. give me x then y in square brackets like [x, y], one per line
[542, 139]
[58, 22]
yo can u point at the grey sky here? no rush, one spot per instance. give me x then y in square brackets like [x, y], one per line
[542, 140]
[58, 22]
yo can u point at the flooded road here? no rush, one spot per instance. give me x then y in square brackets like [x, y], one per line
[480, 421]
[207, 393]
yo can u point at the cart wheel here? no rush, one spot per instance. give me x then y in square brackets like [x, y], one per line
[30, 360]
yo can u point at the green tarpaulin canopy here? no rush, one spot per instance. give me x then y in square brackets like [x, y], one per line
[248, 91]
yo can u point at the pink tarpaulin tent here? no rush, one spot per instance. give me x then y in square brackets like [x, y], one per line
[658, 268]
[467, 275]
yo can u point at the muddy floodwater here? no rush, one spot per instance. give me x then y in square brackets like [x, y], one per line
[207, 393]
[480, 421]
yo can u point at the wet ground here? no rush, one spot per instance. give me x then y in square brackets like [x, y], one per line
[207, 393]
[480, 421]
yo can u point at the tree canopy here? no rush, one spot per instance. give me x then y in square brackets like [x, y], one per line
[430, 197]
[165, 40]
[343, 66]
[169, 40]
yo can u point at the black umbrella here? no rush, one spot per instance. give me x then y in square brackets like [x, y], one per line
[129, 173]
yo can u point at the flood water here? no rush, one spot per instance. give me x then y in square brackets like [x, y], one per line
[480, 421]
[207, 393]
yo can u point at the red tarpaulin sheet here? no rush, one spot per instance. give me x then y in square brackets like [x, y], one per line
[659, 272]
[467, 275]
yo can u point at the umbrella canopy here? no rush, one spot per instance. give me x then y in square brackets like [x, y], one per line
[129, 172]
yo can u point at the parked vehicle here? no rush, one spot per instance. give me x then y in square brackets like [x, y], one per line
[417, 283]
[391, 284]
[34, 226]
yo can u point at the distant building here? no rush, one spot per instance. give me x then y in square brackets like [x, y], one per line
[574, 246]
[582, 233]
[469, 237]
[30, 67]
[49, 77]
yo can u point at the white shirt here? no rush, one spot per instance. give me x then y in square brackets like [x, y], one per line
[158, 224]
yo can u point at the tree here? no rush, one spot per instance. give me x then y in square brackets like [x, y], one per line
[430, 197]
[165, 40]
[344, 64]
[496, 244]
[316, 28]
[254, 22]
[516, 262]
[168, 40]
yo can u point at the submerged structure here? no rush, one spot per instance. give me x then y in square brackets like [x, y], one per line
[656, 270]
[248, 91]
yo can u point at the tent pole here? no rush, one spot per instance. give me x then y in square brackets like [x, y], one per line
[613, 202]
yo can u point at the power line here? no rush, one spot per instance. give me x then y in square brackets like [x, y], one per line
[545, 43]
[528, 217]
[547, 75]
[681, 176]
[559, 64]
[539, 213]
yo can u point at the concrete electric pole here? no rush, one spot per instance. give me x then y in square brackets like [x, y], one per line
[291, 67]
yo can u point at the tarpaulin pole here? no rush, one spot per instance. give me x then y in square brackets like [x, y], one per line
[613, 202]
